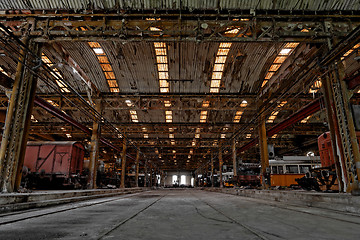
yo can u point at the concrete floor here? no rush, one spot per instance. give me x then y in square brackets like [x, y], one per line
[179, 214]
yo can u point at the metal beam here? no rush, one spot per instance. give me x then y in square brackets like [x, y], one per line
[309, 109]
[178, 25]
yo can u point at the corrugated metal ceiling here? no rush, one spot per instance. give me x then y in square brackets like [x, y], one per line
[317, 5]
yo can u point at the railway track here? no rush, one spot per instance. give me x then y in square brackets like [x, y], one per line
[36, 213]
[231, 220]
[305, 210]
[116, 226]
[201, 203]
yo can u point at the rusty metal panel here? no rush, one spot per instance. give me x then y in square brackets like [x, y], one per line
[134, 66]
[85, 57]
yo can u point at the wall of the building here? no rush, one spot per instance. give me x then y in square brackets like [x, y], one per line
[169, 178]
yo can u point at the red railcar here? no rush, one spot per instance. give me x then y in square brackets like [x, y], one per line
[323, 178]
[325, 148]
[53, 164]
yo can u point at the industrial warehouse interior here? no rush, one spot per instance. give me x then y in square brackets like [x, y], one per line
[180, 119]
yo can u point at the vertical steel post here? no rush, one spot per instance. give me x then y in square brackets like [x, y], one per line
[16, 130]
[146, 175]
[151, 176]
[94, 148]
[234, 157]
[265, 175]
[334, 131]
[212, 169]
[220, 165]
[137, 168]
[123, 164]
[354, 168]
[196, 179]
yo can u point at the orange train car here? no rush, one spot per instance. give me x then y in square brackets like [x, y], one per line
[285, 171]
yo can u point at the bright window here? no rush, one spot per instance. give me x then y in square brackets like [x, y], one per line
[174, 179]
[183, 179]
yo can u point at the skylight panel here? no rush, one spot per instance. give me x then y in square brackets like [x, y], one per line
[269, 75]
[223, 51]
[220, 59]
[160, 51]
[219, 67]
[99, 51]
[279, 59]
[163, 75]
[161, 59]
[106, 67]
[225, 45]
[215, 83]
[214, 90]
[164, 90]
[216, 75]
[274, 67]
[162, 67]
[164, 83]
[103, 59]
[112, 83]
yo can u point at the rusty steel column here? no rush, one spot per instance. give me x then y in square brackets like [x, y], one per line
[265, 174]
[137, 168]
[334, 130]
[196, 179]
[234, 157]
[146, 174]
[220, 165]
[212, 169]
[151, 176]
[94, 149]
[123, 165]
[347, 128]
[17, 123]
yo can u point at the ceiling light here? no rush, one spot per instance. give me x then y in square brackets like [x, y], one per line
[243, 103]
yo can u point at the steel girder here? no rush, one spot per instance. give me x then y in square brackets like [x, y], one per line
[278, 26]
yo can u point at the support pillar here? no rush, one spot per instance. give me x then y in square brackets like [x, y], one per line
[349, 148]
[196, 179]
[234, 157]
[220, 166]
[16, 129]
[146, 175]
[137, 168]
[334, 130]
[94, 149]
[151, 177]
[265, 173]
[123, 165]
[212, 170]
